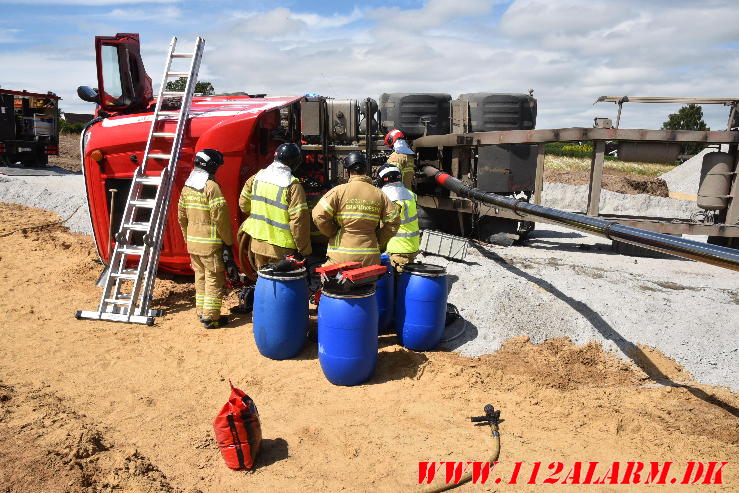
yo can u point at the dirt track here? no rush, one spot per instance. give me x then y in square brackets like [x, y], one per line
[613, 180]
[98, 406]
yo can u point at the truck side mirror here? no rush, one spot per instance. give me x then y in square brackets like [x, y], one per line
[89, 94]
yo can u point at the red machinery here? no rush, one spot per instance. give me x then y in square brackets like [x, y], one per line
[345, 276]
[245, 129]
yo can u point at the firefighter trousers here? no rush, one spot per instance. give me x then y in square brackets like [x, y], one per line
[210, 278]
[262, 260]
[398, 260]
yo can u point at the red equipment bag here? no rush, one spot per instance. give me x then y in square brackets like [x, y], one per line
[238, 431]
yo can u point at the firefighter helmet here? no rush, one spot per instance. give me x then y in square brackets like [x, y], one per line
[389, 173]
[355, 162]
[289, 155]
[209, 160]
[392, 136]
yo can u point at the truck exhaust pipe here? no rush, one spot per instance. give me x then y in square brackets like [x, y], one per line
[672, 245]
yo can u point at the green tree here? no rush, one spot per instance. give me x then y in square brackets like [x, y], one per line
[202, 87]
[689, 117]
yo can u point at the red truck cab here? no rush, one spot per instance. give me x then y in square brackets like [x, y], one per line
[246, 130]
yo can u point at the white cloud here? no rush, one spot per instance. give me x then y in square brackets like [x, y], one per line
[274, 23]
[160, 14]
[570, 52]
[9, 35]
[315, 21]
[433, 13]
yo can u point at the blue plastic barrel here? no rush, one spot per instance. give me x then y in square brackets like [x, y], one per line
[385, 293]
[420, 306]
[280, 317]
[347, 336]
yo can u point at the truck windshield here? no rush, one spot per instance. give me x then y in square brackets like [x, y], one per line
[111, 72]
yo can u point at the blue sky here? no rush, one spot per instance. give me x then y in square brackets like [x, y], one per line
[569, 51]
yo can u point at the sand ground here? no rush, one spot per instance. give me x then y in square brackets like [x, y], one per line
[94, 406]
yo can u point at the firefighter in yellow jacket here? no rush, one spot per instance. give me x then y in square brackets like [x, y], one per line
[356, 216]
[403, 156]
[403, 247]
[206, 226]
[279, 219]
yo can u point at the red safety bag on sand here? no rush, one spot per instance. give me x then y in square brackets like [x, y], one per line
[238, 431]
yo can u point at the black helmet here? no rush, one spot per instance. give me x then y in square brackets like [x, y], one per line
[355, 162]
[209, 160]
[388, 173]
[289, 155]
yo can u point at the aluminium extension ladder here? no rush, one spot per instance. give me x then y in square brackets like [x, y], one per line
[127, 291]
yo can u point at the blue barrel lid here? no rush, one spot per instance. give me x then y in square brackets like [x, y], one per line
[425, 270]
[283, 276]
[357, 292]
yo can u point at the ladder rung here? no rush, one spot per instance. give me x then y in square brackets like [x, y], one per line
[144, 203]
[137, 226]
[149, 180]
[173, 94]
[131, 250]
[124, 275]
[166, 135]
[168, 113]
[160, 156]
[182, 55]
[178, 74]
[114, 301]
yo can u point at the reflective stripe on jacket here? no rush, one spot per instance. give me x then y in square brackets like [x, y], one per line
[204, 219]
[408, 237]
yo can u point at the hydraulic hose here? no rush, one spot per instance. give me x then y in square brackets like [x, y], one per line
[672, 245]
[492, 417]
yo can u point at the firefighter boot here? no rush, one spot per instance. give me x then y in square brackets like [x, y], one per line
[215, 324]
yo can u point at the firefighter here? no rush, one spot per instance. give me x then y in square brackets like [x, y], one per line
[279, 219]
[206, 226]
[357, 218]
[403, 247]
[403, 156]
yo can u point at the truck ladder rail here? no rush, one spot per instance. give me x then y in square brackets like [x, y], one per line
[127, 290]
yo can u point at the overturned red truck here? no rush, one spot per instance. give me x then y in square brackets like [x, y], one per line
[245, 129]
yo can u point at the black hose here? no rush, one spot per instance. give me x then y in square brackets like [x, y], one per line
[672, 245]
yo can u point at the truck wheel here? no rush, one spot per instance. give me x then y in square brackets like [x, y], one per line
[497, 230]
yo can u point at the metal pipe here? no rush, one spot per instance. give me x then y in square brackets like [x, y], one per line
[672, 245]
[110, 223]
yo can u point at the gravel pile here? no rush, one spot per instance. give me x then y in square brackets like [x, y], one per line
[685, 179]
[575, 198]
[568, 284]
[63, 193]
